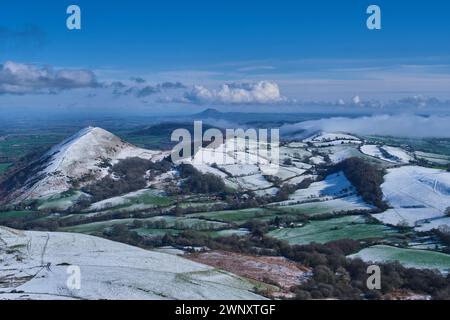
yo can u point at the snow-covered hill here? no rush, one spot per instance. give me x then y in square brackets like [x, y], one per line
[80, 158]
[34, 265]
[416, 195]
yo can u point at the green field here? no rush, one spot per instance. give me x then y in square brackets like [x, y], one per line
[147, 200]
[321, 207]
[414, 258]
[16, 146]
[323, 231]
[238, 216]
[160, 223]
[61, 201]
[95, 227]
[228, 233]
[431, 145]
[157, 232]
[14, 214]
[4, 167]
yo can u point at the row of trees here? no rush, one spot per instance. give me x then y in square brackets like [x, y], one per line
[334, 275]
[126, 176]
[197, 182]
[366, 178]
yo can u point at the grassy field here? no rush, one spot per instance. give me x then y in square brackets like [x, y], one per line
[238, 216]
[16, 146]
[432, 145]
[61, 201]
[95, 227]
[228, 232]
[14, 214]
[317, 208]
[147, 200]
[413, 258]
[4, 167]
[163, 222]
[157, 232]
[322, 231]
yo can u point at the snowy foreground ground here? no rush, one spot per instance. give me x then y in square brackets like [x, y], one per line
[34, 265]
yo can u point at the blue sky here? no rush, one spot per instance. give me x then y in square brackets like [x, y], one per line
[311, 50]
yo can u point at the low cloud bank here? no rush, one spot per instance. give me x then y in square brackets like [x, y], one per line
[261, 92]
[413, 126]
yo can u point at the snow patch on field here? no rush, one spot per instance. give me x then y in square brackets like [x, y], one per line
[324, 137]
[253, 182]
[387, 153]
[238, 170]
[374, 151]
[122, 200]
[35, 263]
[334, 193]
[415, 195]
[434, 224]
[412, 258]
[398, 154]
[331, 187]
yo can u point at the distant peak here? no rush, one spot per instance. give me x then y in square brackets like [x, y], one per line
[210, 112]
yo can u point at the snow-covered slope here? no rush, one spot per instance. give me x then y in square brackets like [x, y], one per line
[387, 153]
[79, 158]
[415, 194]
[327, 137]
[34, 265]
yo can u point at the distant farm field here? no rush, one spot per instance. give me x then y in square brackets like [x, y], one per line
[323, 231]
[413, 258]
[4, 167]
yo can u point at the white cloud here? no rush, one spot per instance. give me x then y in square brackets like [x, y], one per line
[387, 125]
[20, 78]
[356, 100]
[261, 92]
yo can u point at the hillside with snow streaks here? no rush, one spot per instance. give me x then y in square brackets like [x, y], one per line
[35, 267]
[415, 194]
[80, 157]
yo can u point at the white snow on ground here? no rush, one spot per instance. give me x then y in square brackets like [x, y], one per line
[415, 194]
[349, 203]
[336, 143]
[433, 157]
[61, 201]
[298, 153]
[301, 165]
[297, 145]
[237, 170]
[121, 200]
[34, 265]
[267, 192]
[399, 154]
[300, 179]
[204, 168]
[407, 216]
[253, 182]
[330, 137]
[374, 151]
[339, 153]
[334, 185]
[317, 160]
[410, 258]
[434, 224]
[285, 173]
[160, 180]
[78, 157]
